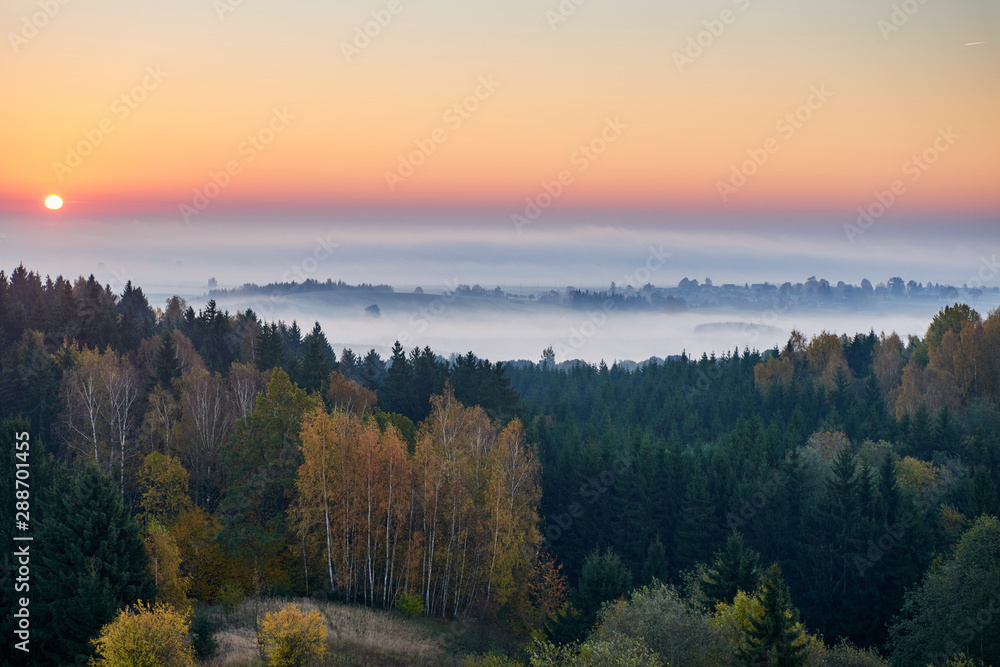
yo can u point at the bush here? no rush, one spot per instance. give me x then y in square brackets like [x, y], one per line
[490, 660]
[145, 636]
[231, 595]
[846, 655]
[613, 652]
[202, 635]
[410, 604]
[289, 638]
[675, 630]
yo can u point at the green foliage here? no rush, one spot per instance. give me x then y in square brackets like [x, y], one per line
[203, 634]
[734, 569]
[168, 366]
[410, 604]
[604, 577]
[231, 595]
[957, 608]
[616, 652]
[491, 660]
[262, 460]
[848, 655]
[672, 628]
[93, 565]
[655, 567]
[951, 318]
[774, 638]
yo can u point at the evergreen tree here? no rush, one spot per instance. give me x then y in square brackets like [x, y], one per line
[775, 638]
[983, 499]
[317, 360]
[604, 577]
[655, 567]
[734, 569]
[93, 563]
[396, 393]
[698, 530]
[168, 367]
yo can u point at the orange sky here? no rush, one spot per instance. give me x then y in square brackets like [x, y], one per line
[222, 78]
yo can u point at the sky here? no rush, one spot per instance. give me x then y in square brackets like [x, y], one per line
[527, 144]
[221, 106]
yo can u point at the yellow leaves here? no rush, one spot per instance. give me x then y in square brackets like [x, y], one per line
[775, 371]
[735, 619]
[165, 565]
[951, 523]
[146, 636]
[455, 521]
[290, 638]
[826, 355]
[915, 475]
[163, 484]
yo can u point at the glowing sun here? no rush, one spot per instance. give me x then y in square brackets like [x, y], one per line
[53, 202]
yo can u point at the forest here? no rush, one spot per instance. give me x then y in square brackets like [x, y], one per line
[830, 502]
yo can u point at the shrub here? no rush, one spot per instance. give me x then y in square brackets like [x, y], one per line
[145, 636]
[289, 638]
[231, 595]
[410, 604]
[202, 634]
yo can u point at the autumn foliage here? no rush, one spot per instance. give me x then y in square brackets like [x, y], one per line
[145, 636]
[454, 523]
[291, 638]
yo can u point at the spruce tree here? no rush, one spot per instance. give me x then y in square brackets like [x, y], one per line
[168, 367]
[655, 567]
[93, 563]
[775, 638]
[396, 394]
[698, 530]
[734, 569]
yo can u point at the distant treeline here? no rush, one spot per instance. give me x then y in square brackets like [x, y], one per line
[308, 285]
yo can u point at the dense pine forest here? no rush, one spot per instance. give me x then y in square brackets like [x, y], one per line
[831, 502]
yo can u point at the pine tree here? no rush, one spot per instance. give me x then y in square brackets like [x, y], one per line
[775, 637]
